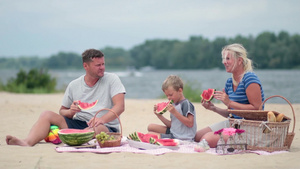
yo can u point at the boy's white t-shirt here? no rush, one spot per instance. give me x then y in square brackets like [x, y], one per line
[178, 129]
[104, 90]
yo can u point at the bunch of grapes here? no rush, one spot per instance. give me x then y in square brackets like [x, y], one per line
[102, 137]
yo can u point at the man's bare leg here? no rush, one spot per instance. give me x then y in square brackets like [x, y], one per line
[39, 130]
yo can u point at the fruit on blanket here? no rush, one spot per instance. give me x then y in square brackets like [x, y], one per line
[102, 137]
[75, 137]
[138, 136]
[53, 135]
[208, 95]
[152, 139]
[161, 108]
[163, 142]
[279, 117]
[86, 106]
[147, 137]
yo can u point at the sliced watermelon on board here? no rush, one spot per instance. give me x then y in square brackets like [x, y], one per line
[161, 108]
[86, 106]
[208, 95]
[152, 139]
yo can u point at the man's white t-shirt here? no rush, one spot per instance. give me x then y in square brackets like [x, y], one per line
[104, 90]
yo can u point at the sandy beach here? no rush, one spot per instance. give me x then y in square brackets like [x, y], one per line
[20, 111]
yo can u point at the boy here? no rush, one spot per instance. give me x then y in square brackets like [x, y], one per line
[182, 113]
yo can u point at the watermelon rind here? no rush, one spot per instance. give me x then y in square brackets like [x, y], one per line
[165, 108]
[75, 138]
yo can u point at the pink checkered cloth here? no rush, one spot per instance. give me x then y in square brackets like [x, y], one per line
[125, 147]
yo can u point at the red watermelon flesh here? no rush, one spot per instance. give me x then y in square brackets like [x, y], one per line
[86, 106]
[208, 95]
[147, 137]
[161, 108]
[72, 131]
[167, 142]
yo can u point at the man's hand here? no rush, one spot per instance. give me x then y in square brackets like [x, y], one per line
[74, 108]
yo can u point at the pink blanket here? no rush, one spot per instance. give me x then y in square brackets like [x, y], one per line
[125, 147]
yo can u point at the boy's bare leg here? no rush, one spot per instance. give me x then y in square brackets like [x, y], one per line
[156, 128]
[39, 130]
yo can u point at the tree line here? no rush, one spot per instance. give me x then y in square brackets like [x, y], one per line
[267, 50]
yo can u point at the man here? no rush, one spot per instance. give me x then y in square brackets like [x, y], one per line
[96, 84]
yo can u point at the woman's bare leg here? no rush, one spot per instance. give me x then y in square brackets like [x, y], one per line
[39, 130]
[201, 133]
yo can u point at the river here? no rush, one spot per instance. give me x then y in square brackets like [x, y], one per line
[147, 84]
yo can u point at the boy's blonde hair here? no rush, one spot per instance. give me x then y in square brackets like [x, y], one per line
[173, 81]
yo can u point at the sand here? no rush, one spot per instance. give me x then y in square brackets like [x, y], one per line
[19, 112]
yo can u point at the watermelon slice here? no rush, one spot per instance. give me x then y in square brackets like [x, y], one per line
[161, 108]
[152, 139]
[164, 142]
[86, 106]
[208, 95]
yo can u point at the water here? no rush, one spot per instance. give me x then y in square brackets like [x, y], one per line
[147, 84]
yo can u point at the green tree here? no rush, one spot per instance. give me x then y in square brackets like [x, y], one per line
[35, 81]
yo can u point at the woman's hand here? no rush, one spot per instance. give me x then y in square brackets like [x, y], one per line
[221, 95]
[207, 105]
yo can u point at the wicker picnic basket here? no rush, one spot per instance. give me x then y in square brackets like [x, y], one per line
[118, 136]
[255, 122]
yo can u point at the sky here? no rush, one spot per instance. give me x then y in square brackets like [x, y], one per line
[45, 28]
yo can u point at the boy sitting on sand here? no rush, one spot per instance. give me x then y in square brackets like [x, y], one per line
[182, 113]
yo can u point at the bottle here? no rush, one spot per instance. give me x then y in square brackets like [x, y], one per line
[221, 145]
[231, 146]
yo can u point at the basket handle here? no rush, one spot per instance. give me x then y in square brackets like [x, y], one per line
[294, 118]
[109, 110]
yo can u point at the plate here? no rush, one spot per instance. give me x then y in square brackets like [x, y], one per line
[147, 146]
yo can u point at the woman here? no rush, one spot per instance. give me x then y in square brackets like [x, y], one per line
[242, 91]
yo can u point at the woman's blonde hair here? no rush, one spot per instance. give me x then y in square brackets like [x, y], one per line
[238, 50]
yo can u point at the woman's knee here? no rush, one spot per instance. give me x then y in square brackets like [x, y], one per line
[201, 133]
[211, 138]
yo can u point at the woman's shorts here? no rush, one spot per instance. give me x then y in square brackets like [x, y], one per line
[220, 125]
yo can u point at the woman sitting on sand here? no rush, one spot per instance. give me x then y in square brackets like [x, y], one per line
[242, 91]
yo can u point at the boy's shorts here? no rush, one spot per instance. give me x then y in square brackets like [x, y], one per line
[168, 134]
[220, 125]
[78, 124]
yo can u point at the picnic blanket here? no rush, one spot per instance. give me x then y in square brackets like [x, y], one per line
[187, 147]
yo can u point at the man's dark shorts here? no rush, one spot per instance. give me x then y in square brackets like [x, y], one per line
[78, 124]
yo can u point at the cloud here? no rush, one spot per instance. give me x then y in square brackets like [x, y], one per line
[46, 27]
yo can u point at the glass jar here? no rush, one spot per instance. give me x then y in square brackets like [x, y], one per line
[241, 142]
[231, 145]
[221, 145]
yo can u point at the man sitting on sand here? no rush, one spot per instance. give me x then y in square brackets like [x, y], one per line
[96, 84]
